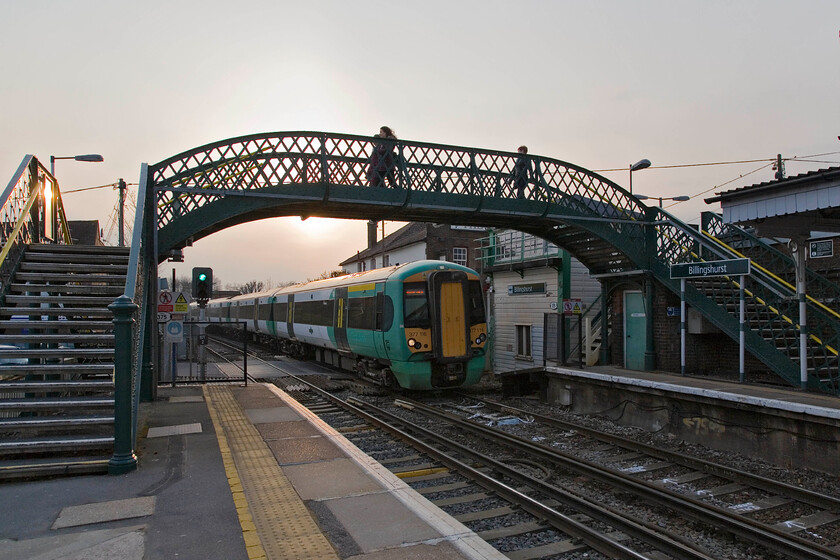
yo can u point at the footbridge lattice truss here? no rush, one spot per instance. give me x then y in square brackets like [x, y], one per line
[238, 180]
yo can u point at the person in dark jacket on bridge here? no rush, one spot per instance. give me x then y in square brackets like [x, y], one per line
[382, 162]
[521, 171]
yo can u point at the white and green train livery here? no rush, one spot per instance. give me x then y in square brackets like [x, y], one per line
[419, 325]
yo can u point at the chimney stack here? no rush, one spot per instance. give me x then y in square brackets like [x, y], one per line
[371, 233]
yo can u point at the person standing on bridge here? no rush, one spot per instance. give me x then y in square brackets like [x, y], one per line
[521, 171]
[382, 163]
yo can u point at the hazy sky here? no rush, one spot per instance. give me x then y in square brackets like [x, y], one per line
[598, 83]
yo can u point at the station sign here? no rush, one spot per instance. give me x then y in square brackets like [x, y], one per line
[523, 289]
[707, 269]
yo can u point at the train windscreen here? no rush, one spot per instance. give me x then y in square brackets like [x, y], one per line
[416, 305]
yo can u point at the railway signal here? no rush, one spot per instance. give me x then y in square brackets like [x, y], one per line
[202, 283]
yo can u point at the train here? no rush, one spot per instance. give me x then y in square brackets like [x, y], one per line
[419, 325]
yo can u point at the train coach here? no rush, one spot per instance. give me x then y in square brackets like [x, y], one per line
[419, 325]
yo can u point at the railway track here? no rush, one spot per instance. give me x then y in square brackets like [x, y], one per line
[564, 490]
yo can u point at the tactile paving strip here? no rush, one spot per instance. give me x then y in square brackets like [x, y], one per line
[264, 497]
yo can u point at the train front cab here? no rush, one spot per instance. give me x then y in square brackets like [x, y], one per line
[445, 330]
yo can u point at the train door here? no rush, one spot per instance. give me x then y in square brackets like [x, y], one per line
[290, 315]
[340, 319]
[380, 339]
[447, 302]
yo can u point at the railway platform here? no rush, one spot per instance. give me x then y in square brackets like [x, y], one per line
[784, 426]
[233, 472]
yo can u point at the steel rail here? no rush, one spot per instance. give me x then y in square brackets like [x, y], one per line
[795, 492]
[748, 529]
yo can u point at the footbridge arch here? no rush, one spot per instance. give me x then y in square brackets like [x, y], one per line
[238, 180]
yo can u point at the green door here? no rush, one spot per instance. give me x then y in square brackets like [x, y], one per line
[635, 331]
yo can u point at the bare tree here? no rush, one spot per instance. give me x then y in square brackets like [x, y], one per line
[251, 287]
[328, 274]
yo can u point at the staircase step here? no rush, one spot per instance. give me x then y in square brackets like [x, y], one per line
[57, 339]
[45, 422]
[56, 403]
[47, 353]
[46, 325]
[75, 258]
[84, 249]
[38, 300]
[55, 369]
[82, 269]
[47, 444]
[55, 312]
[54, 386]
[87, 279]
[93, 290]
[52, 466]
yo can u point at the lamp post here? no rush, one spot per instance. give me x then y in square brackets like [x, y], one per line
[84, 157]
[681, 198]
[638, 166]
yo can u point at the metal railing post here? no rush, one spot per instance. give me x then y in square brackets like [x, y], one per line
[124, 459]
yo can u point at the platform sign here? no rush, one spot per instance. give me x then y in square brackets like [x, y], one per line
[165, 304]
[572, 306]
[822, 248]
[174, 331]
[707, 269]
[181, 304]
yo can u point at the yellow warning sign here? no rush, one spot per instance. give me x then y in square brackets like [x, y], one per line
[181, 303]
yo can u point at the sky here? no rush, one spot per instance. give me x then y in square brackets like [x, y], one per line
[601, 84]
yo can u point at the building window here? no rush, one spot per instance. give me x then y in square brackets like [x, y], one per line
[386, 260]
[523, 341]
[459, 255]
[361, 266]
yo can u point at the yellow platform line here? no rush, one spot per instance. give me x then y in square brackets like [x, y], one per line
[275, 522]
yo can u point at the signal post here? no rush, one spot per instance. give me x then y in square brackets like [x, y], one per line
[202, 291]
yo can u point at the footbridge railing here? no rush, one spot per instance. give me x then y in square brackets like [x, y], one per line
[424, 180]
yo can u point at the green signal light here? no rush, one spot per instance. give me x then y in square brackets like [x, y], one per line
[202, 277]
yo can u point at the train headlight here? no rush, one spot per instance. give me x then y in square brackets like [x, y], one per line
[411, 342]
[481, 338]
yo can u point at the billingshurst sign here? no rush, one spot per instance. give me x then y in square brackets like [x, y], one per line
[732, 267]
[709, 269]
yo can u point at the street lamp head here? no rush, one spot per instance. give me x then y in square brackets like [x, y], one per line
[89, 157]
[681, 198]
[641, 164]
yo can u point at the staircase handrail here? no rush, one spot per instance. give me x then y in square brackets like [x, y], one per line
[824, 286]
[129, 335]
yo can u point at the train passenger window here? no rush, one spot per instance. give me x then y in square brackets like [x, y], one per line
[416, 305]
[476, 303]
[361, 313]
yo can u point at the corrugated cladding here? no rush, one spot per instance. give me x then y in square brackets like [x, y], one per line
[529, 309]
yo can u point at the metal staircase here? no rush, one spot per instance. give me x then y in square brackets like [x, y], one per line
[772, 307]
[57, 360]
